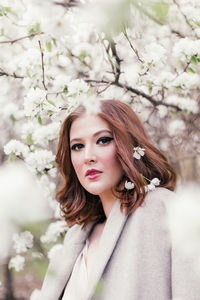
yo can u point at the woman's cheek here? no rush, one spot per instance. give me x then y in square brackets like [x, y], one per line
[109, 156]
[77, 164]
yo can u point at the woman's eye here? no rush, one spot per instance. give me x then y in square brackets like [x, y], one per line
[104, 140]
[101, 141]
[76, 147]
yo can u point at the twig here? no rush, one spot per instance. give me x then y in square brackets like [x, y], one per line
[103, 90]
[134, 50]
[109, 58]
[3, 73]
[177, 33]
[118, 60]
[185, 17]
[21, 38]
[42, 58]
[72, 3]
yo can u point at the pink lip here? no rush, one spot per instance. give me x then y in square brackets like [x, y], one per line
[92, 171]
[93, 176]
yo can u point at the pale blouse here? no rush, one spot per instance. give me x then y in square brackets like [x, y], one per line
[77, 285]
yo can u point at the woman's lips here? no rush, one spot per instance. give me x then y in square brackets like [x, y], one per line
[93, 176]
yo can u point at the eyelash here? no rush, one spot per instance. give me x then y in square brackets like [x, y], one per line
[105, 139]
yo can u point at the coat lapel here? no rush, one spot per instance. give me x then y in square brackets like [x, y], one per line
[62, 263]
[108, 240]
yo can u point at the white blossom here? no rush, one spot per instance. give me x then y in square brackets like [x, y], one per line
[154, 53]
[17, 263]
[129, 185]
[77, 87]
[28, 129]
[176, 127]
[138, 152]
[40, 159]
[16, 147]
[155, 181]
[152, 185]
[53, 231]
[23, 241]
[184, 103]
[187, 80]
[186, 47]
[37, 104]
[162, 111]
[91, 103]
[43, 134]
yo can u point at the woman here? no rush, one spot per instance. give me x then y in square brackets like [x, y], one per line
[118, 246]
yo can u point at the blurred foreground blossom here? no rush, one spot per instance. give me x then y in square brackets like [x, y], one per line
[21, 201]
[53, 231]
[17, 263]
[184, 222]
[23, 241]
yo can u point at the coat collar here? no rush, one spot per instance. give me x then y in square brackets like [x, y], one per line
[61, 265]
[110, 235]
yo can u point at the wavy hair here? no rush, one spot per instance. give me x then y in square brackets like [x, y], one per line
[81, 207]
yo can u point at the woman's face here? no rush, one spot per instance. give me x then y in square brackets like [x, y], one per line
[93, 147]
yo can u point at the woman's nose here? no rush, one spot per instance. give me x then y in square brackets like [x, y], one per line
[90, 155]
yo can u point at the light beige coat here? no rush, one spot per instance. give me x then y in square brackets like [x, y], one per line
[135, 258]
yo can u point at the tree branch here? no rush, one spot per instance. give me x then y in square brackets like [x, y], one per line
[21, 38]
[42, 58]
[153, 101]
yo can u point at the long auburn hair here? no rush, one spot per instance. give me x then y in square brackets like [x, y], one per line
[81, 207]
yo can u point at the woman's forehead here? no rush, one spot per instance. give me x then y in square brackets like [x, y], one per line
[88, 124]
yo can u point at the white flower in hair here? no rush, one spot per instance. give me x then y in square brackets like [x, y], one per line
[155, 181]
[129, 185]
[138, 152]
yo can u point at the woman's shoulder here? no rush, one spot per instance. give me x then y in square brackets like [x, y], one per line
[158, 197]
[155, 205]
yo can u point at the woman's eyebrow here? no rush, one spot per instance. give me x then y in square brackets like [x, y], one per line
[95, 134]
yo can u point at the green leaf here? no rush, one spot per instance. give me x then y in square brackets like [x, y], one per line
[54, 41]
[83, 55]
[34, 30]
[39, 120]
[11, 157]
[174, 113]
[29, 139]
[194, 60]
[12, 117]
[65, 90]
[4, 10]
[191, 70]
[51, 102]
[49, 46]
[155, 10]
[2, 31]
[197, 23]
